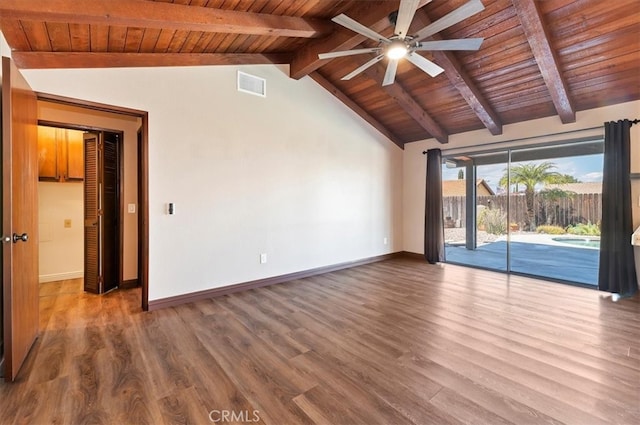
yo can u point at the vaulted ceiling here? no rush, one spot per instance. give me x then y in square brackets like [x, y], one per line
[538, 59]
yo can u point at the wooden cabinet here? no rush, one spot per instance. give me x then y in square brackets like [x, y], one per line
[75, 155]
[47, 153]
[60, 154]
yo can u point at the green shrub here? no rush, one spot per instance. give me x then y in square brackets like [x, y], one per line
[551, 230]
[588, 229]
[493, 221]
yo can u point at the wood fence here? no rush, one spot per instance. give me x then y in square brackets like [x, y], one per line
[578, 208]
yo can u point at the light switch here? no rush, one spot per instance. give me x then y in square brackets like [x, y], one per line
[131, 208]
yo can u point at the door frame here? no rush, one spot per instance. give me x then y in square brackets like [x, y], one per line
[141, 234]
[143, 176]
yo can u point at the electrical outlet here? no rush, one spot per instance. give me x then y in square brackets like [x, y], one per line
[67, 223]
[385, 241]
[263, 258]
[131, 208]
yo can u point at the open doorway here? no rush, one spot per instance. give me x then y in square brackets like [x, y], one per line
[129, 260]
[60, 202]
[80, 205]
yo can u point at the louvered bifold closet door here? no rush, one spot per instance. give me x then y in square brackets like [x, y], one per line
[92, 269]
[110, 212]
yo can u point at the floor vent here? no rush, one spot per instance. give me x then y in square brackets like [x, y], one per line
[251, 84]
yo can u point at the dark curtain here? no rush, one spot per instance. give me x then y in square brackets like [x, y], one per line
[433, 223]
[617, 267]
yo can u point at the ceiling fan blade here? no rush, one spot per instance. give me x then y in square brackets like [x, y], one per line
[363, 67]
[424, 64]
[460, 14]
[457, 44]
[405, 16]
[341, 53]
[356, 26]
[390, 74]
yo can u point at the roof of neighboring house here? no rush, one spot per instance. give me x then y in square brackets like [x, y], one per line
[458, 187]
[578, 188]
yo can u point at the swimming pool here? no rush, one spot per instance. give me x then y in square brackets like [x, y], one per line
[583, 242]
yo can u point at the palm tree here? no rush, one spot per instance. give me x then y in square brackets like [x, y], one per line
[529, 175]
[563, 178]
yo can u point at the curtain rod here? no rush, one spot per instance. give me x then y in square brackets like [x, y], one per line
[636, 121]
[521, 139]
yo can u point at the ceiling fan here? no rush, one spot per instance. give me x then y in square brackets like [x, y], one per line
[402, 45]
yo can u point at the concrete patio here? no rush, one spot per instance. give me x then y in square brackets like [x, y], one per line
[538, 255]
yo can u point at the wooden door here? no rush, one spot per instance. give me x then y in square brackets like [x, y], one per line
[92, 219]
[19, 217]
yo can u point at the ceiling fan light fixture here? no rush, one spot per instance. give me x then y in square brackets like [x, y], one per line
[397, 49]
[401, 45]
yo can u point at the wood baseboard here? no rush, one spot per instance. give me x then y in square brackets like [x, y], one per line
[412, 255]
[218, 292]
[55, 277]
[128, 284]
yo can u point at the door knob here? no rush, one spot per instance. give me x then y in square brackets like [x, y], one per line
[23, 237]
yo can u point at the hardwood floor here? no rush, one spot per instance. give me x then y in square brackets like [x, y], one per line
[395, 342]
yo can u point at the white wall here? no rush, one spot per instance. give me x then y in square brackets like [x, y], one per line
[4, 47]
[415, 163]
[296, 175]
[61, 249]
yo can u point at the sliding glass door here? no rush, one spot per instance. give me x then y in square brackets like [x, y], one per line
[475, 211]
[555, 195]
[534, 211]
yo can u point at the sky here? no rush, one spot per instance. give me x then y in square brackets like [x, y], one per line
[586, 168]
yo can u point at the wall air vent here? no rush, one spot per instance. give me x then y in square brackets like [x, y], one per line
[251, 84]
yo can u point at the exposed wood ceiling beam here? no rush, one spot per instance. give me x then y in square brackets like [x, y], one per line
[50, 60]
[467, 88]
[327, 85]
[538, 37]
[462, 82]
[408, 103]
[151, 14]
[374, 15]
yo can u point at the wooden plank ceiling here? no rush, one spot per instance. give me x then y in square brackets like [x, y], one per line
[538, 59]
